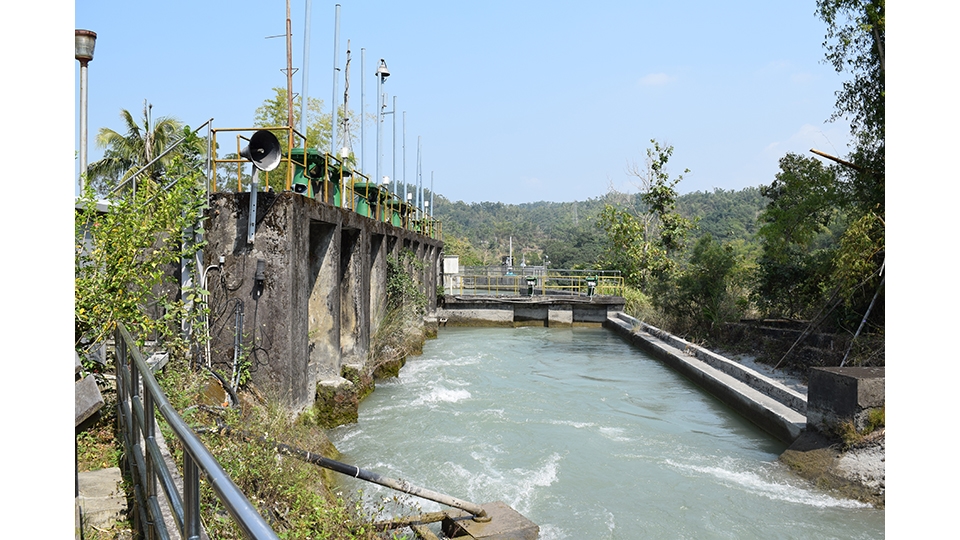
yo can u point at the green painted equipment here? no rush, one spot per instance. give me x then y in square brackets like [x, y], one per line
[308, 175]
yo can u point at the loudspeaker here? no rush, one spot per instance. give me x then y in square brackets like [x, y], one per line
[263, 150]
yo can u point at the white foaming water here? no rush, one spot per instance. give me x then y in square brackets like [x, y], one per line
[441, 395]
[585, 436]
[753, 482]
[614, 434]
[517, 487]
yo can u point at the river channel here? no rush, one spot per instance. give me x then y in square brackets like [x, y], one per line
[588, 437]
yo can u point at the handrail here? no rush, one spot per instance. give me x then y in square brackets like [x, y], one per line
[501, 281]
[137, 418]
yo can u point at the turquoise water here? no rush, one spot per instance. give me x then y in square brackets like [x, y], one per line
[586, 436]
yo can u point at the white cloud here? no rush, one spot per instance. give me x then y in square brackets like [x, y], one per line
[656, 79]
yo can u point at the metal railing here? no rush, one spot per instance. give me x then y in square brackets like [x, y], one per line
[532, 280]
[328, 179]
[136, 411]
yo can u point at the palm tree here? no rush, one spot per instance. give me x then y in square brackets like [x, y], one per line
[126, 153]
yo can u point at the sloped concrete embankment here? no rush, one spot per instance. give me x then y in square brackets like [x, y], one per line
[779, 410]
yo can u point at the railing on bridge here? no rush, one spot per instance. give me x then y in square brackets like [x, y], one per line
[532, 280]
[320, 176]
[136, 411]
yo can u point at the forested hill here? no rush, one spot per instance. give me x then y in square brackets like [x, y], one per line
[567, 233]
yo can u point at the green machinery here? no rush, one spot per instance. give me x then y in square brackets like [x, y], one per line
[308, 175]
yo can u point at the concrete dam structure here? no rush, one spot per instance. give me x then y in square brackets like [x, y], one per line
[300, 304]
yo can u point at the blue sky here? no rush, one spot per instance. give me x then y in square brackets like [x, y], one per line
[513, 101]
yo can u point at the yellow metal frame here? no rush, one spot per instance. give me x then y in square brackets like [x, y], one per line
[426, 226]
[492, 280]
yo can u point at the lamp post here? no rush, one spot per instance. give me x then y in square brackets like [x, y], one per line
[382, 74]
[85, 40]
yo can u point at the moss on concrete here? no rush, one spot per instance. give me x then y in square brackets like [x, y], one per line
[336, 405]
[389, 369]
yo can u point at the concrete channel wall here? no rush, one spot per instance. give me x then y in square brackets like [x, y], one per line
[307, 294]
[765, 402]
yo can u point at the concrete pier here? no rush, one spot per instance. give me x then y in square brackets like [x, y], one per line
[844, 394]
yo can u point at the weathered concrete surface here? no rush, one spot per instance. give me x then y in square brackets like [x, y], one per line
[560, 316]
[505, 524]
[320, 292]
[750, 394]
[101, 498]
[838, 394]
[555, 311]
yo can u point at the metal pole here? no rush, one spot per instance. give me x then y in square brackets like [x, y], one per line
[404, 151]
[363, 112]
[393, 115]
[336, 68]
[379, 118]
[84, 44]
[83, 121]
[419, 193]
[289, 70]
[369, 476]
[306, 71]
[431, 193]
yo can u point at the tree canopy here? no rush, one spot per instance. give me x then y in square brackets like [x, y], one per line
[138, 144]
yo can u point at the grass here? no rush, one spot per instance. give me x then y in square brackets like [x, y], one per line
[850, 436]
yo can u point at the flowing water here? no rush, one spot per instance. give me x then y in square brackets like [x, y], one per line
[586, 436]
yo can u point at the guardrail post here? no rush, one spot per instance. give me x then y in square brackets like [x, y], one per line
[191, 498]
[149, 433]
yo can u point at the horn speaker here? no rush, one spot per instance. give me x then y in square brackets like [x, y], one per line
[263, 150]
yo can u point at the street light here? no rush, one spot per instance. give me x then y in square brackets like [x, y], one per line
[382, 74]
[85, 41]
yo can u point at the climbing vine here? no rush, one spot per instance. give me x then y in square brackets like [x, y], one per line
[403, 289]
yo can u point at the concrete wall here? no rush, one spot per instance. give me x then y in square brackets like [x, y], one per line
[322, 295]
[840, 394]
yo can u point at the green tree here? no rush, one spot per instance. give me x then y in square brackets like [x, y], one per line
[127, 259]
[823, 229]
[643, 244]
[709, 291]
[139, 144]
[273, 113]
[854, 44]
[461, 247]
